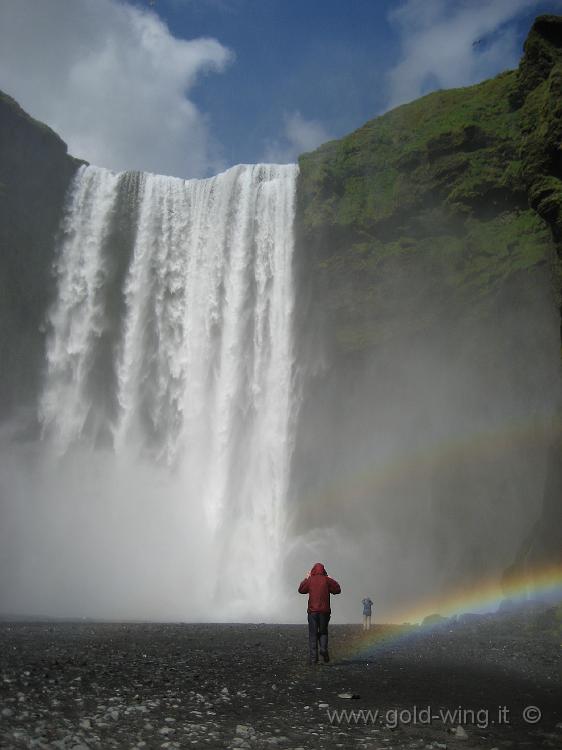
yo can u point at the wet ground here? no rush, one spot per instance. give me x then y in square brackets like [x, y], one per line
[92, 685]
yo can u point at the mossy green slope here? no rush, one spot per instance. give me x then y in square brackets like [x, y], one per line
[447, 198]
[442, 221]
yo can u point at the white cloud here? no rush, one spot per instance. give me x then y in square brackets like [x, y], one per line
[299, 136]
[112, 81]
[446, 44]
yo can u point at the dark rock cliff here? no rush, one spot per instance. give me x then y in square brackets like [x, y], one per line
[35, 171]
[539, 95]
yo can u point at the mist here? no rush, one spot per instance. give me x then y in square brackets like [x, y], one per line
[428, 478]
[87, 536]
[420, 467]
[197, 445]
[157, 486]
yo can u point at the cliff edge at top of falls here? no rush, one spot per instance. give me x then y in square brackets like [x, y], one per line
[35, 171]
[454, 198]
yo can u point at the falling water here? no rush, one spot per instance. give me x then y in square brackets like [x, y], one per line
[171, 341]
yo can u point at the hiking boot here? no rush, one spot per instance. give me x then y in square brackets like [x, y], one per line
[325, 655]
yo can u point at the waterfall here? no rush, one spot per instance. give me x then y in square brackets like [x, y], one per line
[170, 343]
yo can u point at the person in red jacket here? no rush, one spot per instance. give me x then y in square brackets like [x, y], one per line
[318, 585]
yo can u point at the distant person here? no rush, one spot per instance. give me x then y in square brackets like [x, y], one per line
[318, 585]
[367, 605]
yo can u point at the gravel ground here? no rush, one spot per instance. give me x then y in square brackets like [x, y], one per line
[130, 685]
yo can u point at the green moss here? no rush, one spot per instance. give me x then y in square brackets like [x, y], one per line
[392, 161]
[438, 204]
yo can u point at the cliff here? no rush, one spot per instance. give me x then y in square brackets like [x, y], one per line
[438, 227]
[35, 171]
[453, 196]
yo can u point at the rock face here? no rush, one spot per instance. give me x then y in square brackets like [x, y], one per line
[539, 83]
[439, 226]
[538, 91]
[35, 171]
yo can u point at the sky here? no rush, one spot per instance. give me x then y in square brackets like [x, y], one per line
[192, 87]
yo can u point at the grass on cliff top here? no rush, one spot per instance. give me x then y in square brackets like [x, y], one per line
[445, 203]
[387, 165]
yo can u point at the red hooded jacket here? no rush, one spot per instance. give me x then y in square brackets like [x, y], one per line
[319, 586]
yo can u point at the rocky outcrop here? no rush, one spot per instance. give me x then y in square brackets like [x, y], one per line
[539, 94]
[35, 171]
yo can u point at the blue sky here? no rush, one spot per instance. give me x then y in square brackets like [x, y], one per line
[191, 87]
[321, 59]
[328, 60]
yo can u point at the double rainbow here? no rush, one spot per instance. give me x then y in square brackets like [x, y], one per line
[541, 584]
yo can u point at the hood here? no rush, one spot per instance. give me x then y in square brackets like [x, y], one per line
[318, 570]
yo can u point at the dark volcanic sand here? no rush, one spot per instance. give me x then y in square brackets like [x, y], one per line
[90, 685]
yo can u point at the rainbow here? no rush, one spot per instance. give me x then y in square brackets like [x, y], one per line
[485, 445]
[540, 584]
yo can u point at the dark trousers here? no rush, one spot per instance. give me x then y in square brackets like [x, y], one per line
[318, 633]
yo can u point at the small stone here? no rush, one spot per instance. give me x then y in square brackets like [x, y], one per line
[244, 730]
[224, 691]
[460, 734]
[323, 705]
[7, 712]
[85, 723]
